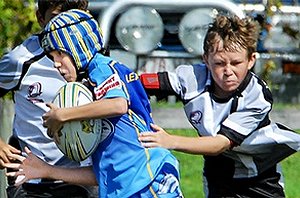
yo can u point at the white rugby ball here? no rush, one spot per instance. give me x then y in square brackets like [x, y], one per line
[78, 139]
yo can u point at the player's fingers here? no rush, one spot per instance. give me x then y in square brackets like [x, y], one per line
[15, 173]
[149, 144]
[2, 164]
[12, 165]
[17, 157]
[11, 174]
[51, 105]
[155, 127]
[146, 134]
[13, 149]
[4, 158]
[20, 180]
[27, 150]
[149, 137]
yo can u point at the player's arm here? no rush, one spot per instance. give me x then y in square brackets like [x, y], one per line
[31, 167]
[157, 84]
[194, 145]
[98, 109]
[104, 108]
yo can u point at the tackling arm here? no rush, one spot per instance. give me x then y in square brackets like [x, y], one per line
[31, 167]
[157, 84]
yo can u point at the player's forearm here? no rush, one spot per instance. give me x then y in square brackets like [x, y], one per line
[98, 109]
[201, 145]
[83, 175]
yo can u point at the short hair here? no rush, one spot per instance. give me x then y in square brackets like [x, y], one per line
[44, 5]
[234, 32]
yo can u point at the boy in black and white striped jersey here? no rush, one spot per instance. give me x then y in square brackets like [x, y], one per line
[229, 107]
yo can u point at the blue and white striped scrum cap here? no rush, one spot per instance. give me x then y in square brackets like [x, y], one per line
[75, 32]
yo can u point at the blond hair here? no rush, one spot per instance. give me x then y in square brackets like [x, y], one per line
[234, 32]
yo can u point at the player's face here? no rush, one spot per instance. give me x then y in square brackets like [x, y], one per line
[228, 69]
[65, 65]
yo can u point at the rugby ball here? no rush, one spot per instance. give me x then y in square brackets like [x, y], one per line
[77, 139]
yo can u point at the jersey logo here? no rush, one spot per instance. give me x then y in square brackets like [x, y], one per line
[34, 91]
[111, 83]
[132, 77]
[107, 129]
[195, 117]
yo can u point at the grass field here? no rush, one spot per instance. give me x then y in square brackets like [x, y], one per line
[191, 171]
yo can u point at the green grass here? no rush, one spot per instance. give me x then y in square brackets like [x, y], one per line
[291, 174]
[164, 104]
[191, 171]
[283, 106]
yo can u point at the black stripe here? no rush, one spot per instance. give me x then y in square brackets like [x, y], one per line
[164, 83]
[67, 25]
[276, 153]
[266, 91]
[3, 91]
[26, 66]
[236, 137]
[234, 104]
[165, 88]
[268, 97]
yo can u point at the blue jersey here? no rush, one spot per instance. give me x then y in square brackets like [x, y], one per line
[121, 164]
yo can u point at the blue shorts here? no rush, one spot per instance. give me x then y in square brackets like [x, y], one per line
[165, 185]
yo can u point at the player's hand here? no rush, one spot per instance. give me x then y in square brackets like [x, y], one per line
[30, 167]
[53, 121]
[159, 138]
[6, 153]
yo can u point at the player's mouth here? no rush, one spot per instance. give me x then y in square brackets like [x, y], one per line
[231, 84]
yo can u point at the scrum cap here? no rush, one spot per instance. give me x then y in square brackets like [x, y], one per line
[75, 32]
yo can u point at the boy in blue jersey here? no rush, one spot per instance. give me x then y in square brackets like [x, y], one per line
[229, 107]
[123, 167]
[30, 74]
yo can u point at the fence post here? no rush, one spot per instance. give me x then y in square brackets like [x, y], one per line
[6, 117]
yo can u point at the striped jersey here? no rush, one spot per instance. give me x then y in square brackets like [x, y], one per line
[122, 165]
[31, 74]
[243, 118]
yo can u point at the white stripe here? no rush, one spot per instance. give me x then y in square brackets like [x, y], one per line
[247, 161]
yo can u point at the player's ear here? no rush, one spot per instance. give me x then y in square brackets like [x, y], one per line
[205, 59]
[40, 19]
[252, 60]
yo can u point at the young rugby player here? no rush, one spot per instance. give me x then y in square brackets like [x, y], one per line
[30, 73]
[123, 167]
[229, 107]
